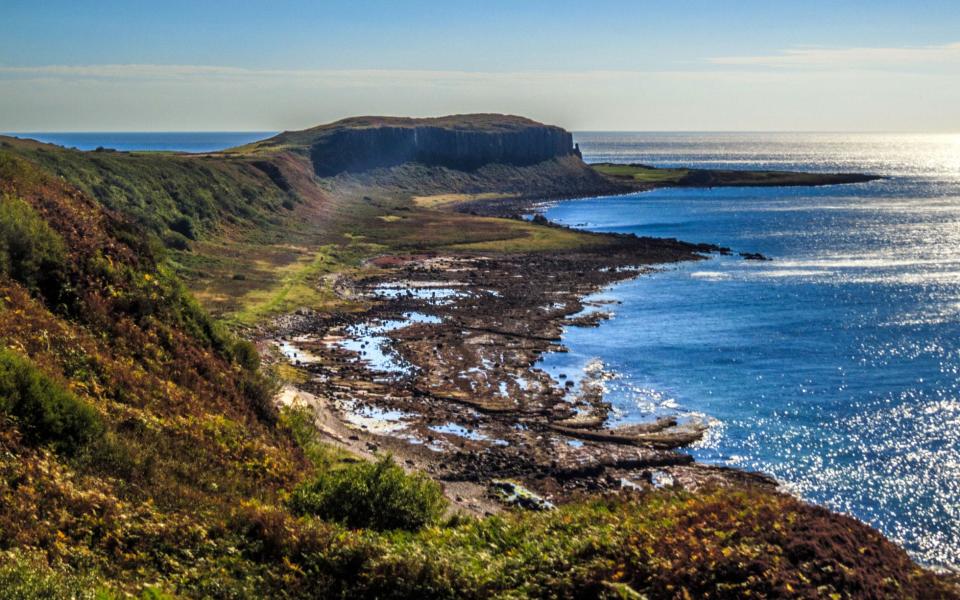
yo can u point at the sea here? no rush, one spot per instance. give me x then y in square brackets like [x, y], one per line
[835, 366]
[151, 141]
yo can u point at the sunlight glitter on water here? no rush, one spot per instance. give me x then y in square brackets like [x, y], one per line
[834, 367]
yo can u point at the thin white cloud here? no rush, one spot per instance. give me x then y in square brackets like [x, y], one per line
[727, 97]
[121, 71]
[193, 72]
[866, 57]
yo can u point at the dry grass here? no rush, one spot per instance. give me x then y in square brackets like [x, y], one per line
[641, 173]
[522, 236]
[447, 200]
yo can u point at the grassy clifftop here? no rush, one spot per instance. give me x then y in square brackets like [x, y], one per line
[483, 123]
[461, 142]
[140, 452]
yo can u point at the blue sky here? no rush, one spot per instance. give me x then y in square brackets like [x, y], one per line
[771, 65]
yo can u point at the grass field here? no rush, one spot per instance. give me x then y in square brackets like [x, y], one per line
[642, 173]
[523, 236]
[655, 176]
[444, 200]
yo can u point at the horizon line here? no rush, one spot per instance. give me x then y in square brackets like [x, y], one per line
[250, 131]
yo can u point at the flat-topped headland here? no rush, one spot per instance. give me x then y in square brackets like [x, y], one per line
[232, 334]
[462, 142]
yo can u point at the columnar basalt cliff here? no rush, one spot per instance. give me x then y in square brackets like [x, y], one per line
[462, 142]
[362, 149]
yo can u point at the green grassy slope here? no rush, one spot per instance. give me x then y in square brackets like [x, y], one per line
[168, 194]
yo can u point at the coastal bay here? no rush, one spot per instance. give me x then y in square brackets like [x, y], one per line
[399, 309]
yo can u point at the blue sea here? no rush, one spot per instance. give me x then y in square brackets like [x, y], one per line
[171, 141]
[835, 367]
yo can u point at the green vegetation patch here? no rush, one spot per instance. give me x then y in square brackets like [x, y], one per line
[715, 544]
[723, 177]
[281, 288]
[45, 411]
[379, 496]
[169, 193]
[31, 252]
[641, 173]
[24, 577]
[523, 236]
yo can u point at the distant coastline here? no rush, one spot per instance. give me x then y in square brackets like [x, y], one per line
[146, 141]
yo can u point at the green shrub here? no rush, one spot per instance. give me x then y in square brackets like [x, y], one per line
[259, 390]
[378, 496]
[185, 227]
[246, 355]
[45, 412]
[176, 241]
[30, 251]
[30, 578]
[300, 422]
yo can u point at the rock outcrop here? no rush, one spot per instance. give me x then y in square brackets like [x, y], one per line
[462, 142]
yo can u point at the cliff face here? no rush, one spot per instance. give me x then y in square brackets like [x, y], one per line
[462, 142]
[354, 150]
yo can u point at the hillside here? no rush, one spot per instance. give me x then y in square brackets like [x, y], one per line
[143, 452]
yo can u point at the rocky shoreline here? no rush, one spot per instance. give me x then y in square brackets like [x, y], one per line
[441, 372]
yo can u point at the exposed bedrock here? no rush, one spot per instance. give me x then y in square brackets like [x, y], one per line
[352, 150]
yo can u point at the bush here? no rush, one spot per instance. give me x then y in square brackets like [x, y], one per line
[185, 227]
[45, 411]
[30, 251]
[378, 496]
[29, 578]
[246, 355]
[176, 241]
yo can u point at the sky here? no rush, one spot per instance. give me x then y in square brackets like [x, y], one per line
[776, 65]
